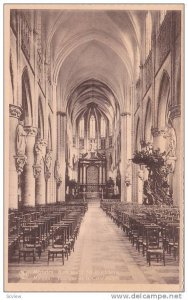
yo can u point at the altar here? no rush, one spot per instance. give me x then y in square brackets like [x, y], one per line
[92, 174]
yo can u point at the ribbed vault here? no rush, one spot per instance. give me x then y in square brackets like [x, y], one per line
[89, 93]
[92, 45]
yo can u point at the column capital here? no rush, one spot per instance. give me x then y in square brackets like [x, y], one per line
[62, 114]
[30, 130]
[15, 111]
[123, 114]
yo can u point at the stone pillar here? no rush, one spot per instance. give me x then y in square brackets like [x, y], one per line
[104, 173]
[29, 180]
[100, 174]
[38, 169]
[84, 175]
[178, 164]
[61, 133]
[14, 114]
[126, 155]
[40, 186]
[48, 163]
[80, 174]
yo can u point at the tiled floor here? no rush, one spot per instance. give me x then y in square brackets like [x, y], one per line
[103, 254]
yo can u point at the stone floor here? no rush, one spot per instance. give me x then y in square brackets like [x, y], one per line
[102, 253]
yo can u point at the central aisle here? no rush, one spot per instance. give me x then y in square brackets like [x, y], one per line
[103, 254]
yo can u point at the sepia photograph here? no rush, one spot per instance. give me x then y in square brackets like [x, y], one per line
[94, 147]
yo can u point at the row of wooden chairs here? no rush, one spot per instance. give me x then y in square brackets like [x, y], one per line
[33, 236]
[64, 235]
[146, 230]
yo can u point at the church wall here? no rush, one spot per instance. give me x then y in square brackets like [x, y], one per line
[20, 64]
[170, 65]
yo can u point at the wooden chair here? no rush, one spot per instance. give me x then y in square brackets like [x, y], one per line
[153, 248]
[58, 244]
[31, 246]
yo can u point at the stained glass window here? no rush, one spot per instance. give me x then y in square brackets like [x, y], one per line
[110, 128]
[103, 127]
[92, 127]
[81, 128]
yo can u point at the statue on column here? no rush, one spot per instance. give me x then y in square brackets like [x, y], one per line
[20, 158]
[48, 163]
[40, 151]
[39, 158]
[20, 139]
[170, 136]
[57, 173]
[48, 160]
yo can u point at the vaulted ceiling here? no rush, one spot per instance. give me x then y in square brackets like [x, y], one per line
[95, 56]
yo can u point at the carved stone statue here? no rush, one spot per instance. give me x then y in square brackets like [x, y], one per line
[57, 173]
[20, 139]
[40, 151]
[48, 161]
[170, 135]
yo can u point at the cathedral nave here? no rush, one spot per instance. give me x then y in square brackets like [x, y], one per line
[95, 147]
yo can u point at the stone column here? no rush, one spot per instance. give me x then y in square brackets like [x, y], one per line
[61, 132]
[126, 165]
[178, 163]
[81, 173]
[38, 169]
[29, 180]
[104, 171]
[84, 174]
[100, 174]
[14, 114]
[48, 163]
